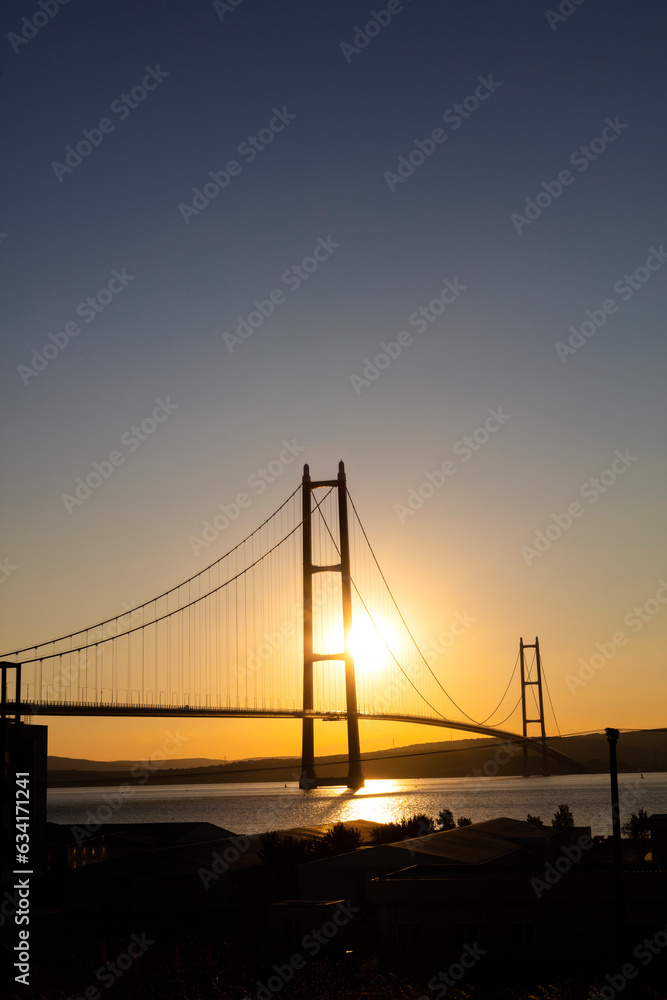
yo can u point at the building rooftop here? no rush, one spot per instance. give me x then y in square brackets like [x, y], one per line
[163, 833]
[494, 872]
[487, 841]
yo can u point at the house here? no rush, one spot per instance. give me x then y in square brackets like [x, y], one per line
[307, 926]
[158, 867]
[428, 915]
[499, 841]
[90, 844]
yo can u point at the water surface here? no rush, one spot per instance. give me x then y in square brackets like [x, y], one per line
[256, 807]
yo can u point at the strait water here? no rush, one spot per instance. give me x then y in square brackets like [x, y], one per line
[254, 808]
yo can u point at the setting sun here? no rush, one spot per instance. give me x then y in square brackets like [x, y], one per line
[369, 645]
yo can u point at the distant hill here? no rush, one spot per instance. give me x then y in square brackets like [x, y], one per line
[76, 764]
[640, 751]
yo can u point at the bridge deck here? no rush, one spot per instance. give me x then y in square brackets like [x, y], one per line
[45, 708]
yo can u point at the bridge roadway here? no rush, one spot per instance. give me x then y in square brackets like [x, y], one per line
[37, 708]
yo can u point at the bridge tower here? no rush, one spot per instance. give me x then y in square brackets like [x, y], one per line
[10, 736]
[525, 683]
[309, 779]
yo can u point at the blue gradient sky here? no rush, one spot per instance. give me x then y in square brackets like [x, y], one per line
[323, 176]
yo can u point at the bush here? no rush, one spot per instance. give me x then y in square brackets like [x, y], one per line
[338, 840]
[277, 850]
[446, 819]
[417, 825]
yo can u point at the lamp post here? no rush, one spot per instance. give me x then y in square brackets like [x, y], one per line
[612, 740]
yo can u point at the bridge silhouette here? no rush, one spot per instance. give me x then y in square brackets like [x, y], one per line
[296, 621]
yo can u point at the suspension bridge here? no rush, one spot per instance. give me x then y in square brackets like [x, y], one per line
[296, 621]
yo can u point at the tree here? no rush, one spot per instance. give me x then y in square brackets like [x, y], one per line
[535, 820]
[463, 821]
[638, 826]
[446, 819]
[417, 825]
[277, 850]
[385, 834]
[339, 839]
[563, 818]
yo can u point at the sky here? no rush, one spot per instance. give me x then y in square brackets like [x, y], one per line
[219, 216]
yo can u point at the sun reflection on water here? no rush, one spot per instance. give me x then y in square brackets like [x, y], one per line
[382, 800]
